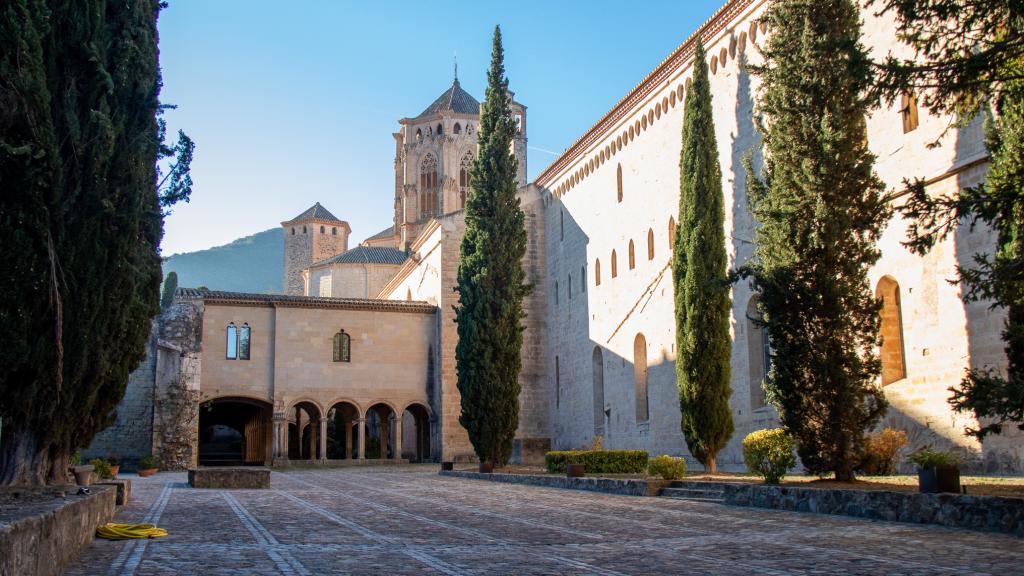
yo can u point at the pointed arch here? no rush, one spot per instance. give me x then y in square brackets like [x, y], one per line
[632, 256]
[615, 265]
[650, 244]
[618, 180]
[465, 176]
[597, 272]
[892, 352]
[597, 376]
[428, 186]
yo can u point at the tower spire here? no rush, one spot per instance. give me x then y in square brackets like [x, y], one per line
[456, 58]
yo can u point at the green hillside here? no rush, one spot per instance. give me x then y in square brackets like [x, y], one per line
[251, 264]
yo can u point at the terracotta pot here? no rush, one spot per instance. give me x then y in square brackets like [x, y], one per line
[575, 470]
[939, 479]
[83, 474]
[114, 470]
[448, 466]
[486, 467]
[148, 472]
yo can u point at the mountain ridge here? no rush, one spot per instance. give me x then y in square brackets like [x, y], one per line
[252, 263]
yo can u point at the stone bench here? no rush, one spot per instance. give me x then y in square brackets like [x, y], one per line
[123, 486]
[230, 477]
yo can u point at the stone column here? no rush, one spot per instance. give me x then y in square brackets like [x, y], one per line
[323, 439]
[313, 434]
[280, 443]
[385, 437]
[398, 438]
[347, 423]
[362, 438]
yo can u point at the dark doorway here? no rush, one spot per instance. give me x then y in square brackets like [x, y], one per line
[234, 432]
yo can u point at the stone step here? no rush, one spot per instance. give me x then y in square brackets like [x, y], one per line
[700, 485]
[711, 495]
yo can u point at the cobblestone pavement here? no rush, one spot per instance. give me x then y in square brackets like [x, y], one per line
[409, 520]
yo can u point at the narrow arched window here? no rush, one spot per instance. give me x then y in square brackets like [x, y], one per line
[293, 231]
[671, 233]
[323, 230]
[568, 287]
[632, 256]
[618, 180]
[232, 342]
[556, 291]
[304, 231]
[894, 364]
[758, 353]
[597, 272]
[440, 129]
[615, 265]
[342, 347]
[465, 171]
[597, 367]
[650, 244]
[457, 129]
[558, 384]
[908, 109]
[640, 378]
[428, 186]
[334, 231]
[419, 134]
[408, 293]
[244, 338]
[583, 278]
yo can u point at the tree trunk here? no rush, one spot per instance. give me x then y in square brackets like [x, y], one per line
[58, 468]
[21, 460]
[844, 474]
[711, 466]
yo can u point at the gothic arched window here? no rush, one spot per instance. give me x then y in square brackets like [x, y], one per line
[323, 230]
[342, 347]
[465, 168]
[244, 339]
[615, 265]
[650, 244]
[232, 342]
[440, 129]
[597, 367]
[457, 129]
[892, 353]
[671, 233]
[428, 186]
[643, 413]
[597, 272]
[618, 180]
[583, 278]
[632, 256]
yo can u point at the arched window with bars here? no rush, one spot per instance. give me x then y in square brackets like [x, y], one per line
[342, 347]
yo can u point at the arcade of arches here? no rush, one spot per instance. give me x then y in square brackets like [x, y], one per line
[244, 431]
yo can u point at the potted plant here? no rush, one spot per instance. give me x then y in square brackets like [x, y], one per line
[83, 474]
[115, 465]
[937, 471]
[101, 468]
[147, 466]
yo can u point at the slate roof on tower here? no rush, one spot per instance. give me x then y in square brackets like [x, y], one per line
[316, 212]
[454, 99]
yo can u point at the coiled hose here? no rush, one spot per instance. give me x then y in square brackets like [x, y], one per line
[111, 531]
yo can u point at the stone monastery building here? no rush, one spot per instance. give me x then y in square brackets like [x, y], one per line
[357, 359]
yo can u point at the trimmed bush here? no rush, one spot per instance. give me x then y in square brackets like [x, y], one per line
[929, 458]
[769, 454]
[598, 461]
[147, 462]
[882, 448]
[667, 467]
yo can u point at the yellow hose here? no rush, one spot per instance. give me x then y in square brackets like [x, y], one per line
[112, 531]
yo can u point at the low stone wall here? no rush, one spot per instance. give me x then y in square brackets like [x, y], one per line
[50, 539]
[988, 513]
[621, 486]
[230, 477]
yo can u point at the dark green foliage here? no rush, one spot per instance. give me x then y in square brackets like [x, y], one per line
[971, 58]
[820, 212]
[80, 220]
[598, 461]
[170, 285]
[700, 278]
[491, 281]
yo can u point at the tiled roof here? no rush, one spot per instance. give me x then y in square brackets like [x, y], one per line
[367, 255]
[454, 99]
[316, 212]
[246, 299]
[385, 233]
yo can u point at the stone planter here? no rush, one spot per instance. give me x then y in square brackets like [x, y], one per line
[575, 470]
[83, 474]
[148, 472]
[486, 467]
[448, 466]
[938, 479]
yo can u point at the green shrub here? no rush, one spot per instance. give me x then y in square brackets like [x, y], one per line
[667, 467]
[882, 448]
[102, 468]
[147, 462]
[598, 461]
[769, 454]
[75, 459]
[928, 458]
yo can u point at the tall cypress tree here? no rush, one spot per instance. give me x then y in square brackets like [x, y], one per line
[491, 281]
[170, 285]
[701, 285]
[80, 220]
[821, 211]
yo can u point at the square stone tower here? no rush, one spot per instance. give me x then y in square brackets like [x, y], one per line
[310, 237]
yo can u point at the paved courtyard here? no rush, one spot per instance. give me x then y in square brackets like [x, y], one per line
[411, 521]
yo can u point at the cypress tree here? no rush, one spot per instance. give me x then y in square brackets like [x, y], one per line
[491, 281]
[80, 220]
[170, 285]
[820, 211]
[700, 278]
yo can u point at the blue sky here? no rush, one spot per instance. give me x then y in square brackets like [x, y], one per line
[291, 103]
